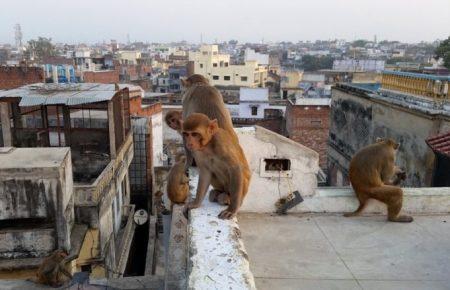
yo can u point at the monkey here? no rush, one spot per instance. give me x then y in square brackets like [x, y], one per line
[373, 174]
[221, 162]
[52, 266]
[178, 182]
[174, 120]
[200, 97]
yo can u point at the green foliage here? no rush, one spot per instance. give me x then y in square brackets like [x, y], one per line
[359, 43]
[443, 50]
[41, 48]
[313, 63]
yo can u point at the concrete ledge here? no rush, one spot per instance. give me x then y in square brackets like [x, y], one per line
[424, 200]
[217, 257]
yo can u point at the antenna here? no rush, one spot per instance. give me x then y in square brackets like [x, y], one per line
[18, 35]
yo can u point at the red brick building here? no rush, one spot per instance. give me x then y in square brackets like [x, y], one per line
[308, 123]
[12, 77]
[103, 77]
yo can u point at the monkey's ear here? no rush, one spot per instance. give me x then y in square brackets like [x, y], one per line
[213, 126]
[184, 82]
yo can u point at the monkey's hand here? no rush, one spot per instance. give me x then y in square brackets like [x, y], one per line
[400, 175]
[227, 214]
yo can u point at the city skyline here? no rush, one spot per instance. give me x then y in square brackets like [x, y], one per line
[249, 21]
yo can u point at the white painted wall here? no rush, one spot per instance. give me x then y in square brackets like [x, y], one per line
[157, 133]
[259, 143]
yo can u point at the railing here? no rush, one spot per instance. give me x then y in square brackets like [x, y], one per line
[125, 242]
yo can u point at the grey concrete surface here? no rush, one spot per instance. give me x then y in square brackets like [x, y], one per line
[333, 252]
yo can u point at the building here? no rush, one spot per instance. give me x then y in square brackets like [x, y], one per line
[290, 83]
[218, 69]
[176, 73]
[129, 57]
[60, 73]
[93, 68]
[15, 76]
[94, 121]
[353, 65]
[308, 123]
[409, 108]
[254, 108]
[36, 206]
[252, 55]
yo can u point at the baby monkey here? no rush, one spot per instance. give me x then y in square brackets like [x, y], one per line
[177, 181]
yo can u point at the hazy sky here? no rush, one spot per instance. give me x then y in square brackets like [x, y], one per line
[245, 20]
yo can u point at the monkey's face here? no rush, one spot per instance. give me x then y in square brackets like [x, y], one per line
[174, 123]
[193, 140]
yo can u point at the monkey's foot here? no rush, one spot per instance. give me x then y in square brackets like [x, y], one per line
[402, 219]
[223, 199]
[226, 214]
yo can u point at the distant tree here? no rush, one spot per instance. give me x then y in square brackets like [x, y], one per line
[443, 50]
[40, 48]
[313, 63]
[359, 43]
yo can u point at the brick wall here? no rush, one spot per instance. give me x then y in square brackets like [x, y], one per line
[103, 77]
[14, 76]
[136, 108]
[309, 125]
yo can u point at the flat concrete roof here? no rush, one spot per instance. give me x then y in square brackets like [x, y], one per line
[43, 157]
[334, 252]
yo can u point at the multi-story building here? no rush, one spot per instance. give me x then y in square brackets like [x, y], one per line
[308, 123]
[410, 108]
[175, 75]
[93, 121]
[290, 83]
[218, 69]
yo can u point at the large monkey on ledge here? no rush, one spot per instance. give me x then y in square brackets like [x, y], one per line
[373, 174]
[200, 97]
[221, 163]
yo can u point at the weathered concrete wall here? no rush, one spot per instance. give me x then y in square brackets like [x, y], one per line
[36, 183]
[27, 243]
[259, 143]
[217, 256]
[357, 120]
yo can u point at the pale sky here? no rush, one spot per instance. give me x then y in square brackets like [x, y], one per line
[245, 20]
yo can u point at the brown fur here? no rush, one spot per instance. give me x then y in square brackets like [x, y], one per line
[373, 174]
[221, 162]
[178, 182]
[174, 120]
[200, 97]
[51, 267]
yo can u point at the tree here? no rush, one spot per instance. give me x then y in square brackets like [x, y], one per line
[443, 51]
[359, 43]
[40, 48]
[313, 63]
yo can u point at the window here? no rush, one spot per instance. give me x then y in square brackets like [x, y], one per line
[254, 111]
[275, 167]
[214, 64]
[204, 52]
[285, 94]
[243, 79]
[227, 78]
[316, 122]
[226, 64]
[216, 78]
[277, 164]
[201, 65]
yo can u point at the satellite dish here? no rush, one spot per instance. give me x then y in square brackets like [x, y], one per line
[140, 217]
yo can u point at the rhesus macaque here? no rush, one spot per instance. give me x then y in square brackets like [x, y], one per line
[178, 182]
[221, 163]
[373, 174]
[51, 267]
[174, 120]
[200, 97]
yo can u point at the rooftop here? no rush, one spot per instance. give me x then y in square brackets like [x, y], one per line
[440, 143]
[61, 94]
[42, 157]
